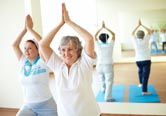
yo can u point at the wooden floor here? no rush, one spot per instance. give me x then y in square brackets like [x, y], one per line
[126, 73]
[8, 112]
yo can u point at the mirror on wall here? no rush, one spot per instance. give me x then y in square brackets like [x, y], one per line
[122, 17]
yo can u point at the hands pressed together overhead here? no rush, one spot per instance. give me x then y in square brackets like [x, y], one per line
[139, 22]
[65, 16]
[103, 24]
[28, 22]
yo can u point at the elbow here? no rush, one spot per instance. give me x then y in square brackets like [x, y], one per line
[113, 35]
[133, 34]
[90, 42]
[91, 39]
[43, 43]
[14, 45]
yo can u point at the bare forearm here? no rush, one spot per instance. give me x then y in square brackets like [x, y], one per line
[96, 34]
[88, 38]
[48, 39]
[81, 31]
[19, 38]
[35, 35]
[112, 33]
[16, 44]
[147, 29]
[44, 44]
[133, 33]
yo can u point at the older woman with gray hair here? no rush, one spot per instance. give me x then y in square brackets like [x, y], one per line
[73, 70]
[142, 55]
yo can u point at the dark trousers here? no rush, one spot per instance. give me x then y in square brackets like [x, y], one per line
[163, 45]
[144, 72]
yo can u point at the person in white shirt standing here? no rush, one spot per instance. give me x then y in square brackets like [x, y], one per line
[104, 50]
[73, 70]
[142, 55]
[34, 76]
[153, 42]
[163, 38]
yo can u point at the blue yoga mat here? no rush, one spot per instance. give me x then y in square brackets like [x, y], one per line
[158, 52]
[117, 93]
[135, 94]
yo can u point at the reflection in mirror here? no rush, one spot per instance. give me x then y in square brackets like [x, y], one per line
[122, 17]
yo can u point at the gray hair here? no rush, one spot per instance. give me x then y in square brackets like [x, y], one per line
[74, 41]
[140, 34]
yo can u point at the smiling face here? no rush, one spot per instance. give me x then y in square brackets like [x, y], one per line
[70, 49]
[30, 50]
[69, 53]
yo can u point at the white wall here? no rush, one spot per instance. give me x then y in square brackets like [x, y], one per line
[122, 16]
[11, 15]
[78, 11]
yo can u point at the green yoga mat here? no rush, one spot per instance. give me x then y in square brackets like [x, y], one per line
[135, 94]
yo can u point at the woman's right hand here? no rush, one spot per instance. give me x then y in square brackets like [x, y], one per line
[65, 13]
[29, 22]
[103, 24]
[139, 22]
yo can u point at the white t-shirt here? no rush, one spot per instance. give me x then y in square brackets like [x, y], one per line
[141, 47]
[74, 89]
[35, 80]
[163, 37]
[153, 37]
[104, 52]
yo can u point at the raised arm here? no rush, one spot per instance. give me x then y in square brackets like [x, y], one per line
[135, 29]
[17, 41]
[88, 38]
[97, 33]
[44, 44]
[147, 29]
[110, 31]
[29, 27]
[104, 27]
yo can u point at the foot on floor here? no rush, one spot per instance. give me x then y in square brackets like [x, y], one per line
[146, 93]
[110, 100]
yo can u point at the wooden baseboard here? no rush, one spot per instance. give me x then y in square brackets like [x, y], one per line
[8, 109]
